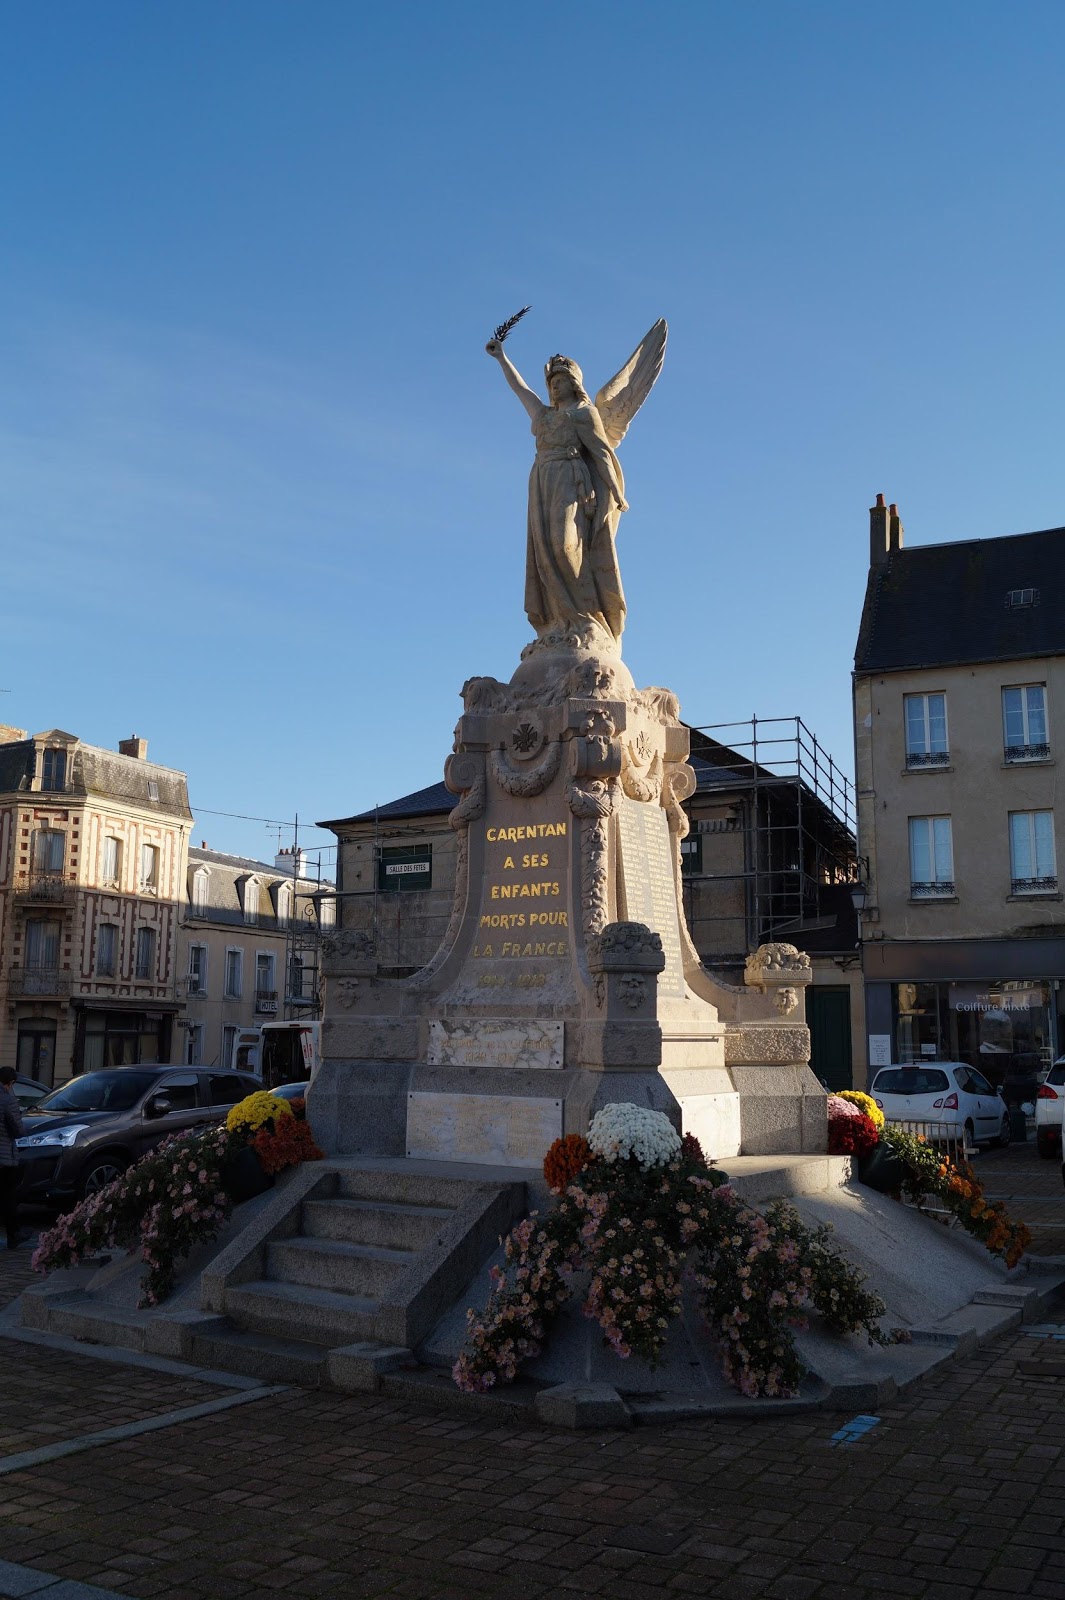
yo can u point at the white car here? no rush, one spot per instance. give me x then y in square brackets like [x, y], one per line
[1049, 1105]
[947, 1092]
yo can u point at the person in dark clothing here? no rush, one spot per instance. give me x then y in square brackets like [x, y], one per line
[10, 1130]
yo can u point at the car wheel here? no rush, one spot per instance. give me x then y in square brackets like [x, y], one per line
[970, 1135]
[1005, 1134]
[101, 1170]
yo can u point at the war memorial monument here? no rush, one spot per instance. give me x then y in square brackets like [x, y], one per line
[567, 979]
[566, 983]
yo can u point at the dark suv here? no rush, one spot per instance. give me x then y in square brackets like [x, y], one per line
[81, 1136]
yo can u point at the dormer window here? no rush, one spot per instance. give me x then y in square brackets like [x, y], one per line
[153, 789]
[54, 770]
[251, 902]
[200, 886]
[1021, 597]
[284, 905]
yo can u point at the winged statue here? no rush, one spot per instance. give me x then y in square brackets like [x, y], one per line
[577, 490]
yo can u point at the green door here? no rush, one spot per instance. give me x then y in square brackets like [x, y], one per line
[828, 1013]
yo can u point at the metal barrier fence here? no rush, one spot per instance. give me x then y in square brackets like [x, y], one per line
[950, 1141]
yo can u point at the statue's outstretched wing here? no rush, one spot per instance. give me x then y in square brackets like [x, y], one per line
[619, 400]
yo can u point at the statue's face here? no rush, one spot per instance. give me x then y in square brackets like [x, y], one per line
[560, 387]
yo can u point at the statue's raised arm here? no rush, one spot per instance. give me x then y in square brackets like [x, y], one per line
[577, 491]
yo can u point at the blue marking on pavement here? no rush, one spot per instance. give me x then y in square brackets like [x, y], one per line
[1044, 1330]
[854, 1429]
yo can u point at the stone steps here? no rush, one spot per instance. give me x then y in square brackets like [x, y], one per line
[365, 1270]
[391, 1187]
[394, 1225]
[297, 1311]
[259, 1355]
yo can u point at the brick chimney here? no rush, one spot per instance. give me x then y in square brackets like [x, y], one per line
[885, 531]
[134, 746]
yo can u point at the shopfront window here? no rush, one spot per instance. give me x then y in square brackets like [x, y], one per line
[1004, 1031]
[920, 1029]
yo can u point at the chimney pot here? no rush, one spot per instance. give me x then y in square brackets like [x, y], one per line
[880, 499]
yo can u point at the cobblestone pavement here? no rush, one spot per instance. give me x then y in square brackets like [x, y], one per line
[953, 1494]
[1032, 1190]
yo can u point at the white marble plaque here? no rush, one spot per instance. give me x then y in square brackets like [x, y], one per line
[496, 1129]
[648, 886]
[495, 1042]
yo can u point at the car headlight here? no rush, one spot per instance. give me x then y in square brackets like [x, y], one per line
[61, 1136]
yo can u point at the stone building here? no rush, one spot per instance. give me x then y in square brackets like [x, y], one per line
[769, 857]
[959, 680]
[92, 856]
[248, 949]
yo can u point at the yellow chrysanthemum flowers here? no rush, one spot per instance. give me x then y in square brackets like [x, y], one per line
[256, 1109]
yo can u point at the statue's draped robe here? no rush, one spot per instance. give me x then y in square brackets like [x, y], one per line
[571, 574]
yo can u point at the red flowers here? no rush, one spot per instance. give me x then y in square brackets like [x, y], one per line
[290, 1143]
[565, 1161]
[852, 1136]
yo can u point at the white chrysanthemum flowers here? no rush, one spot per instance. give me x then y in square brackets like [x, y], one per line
[618, 1132]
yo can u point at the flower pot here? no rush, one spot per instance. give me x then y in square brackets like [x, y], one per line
[882, 1170]
[243, 1176]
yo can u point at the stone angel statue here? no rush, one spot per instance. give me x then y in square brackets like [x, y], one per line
[577, 492]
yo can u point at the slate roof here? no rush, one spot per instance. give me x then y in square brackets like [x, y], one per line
[246, 864]
[422, 803]
[99, 772]
[945, 605]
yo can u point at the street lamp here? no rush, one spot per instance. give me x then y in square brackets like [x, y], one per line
[859, 885]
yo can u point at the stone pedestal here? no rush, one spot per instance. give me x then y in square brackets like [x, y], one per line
[566, 979]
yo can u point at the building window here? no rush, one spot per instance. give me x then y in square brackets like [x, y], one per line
[194, 1044]
[1021, 597]
[265, 984]
[251, 902]
[106, 950]
[1024, 722]
[199, 893]
[284, 905]
[691, 855]
[931, 858]
[197, 975]
[42, 946]
[153, 789]
[234, 974]
[54, 770]
[145, 953]
[229, 1055]
[926, 730]
[49, 850]
[400, 869]
[111, 869]
[1033, 868]
[149, 869]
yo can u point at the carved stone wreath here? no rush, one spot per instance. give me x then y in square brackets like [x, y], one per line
[528, 781]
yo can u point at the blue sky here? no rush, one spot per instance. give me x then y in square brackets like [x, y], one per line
[262, 494]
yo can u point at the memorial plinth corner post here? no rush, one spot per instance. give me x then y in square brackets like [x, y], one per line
[566, 979]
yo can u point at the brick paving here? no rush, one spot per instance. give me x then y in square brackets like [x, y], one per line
[1032, 1190]
[952, 1496]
